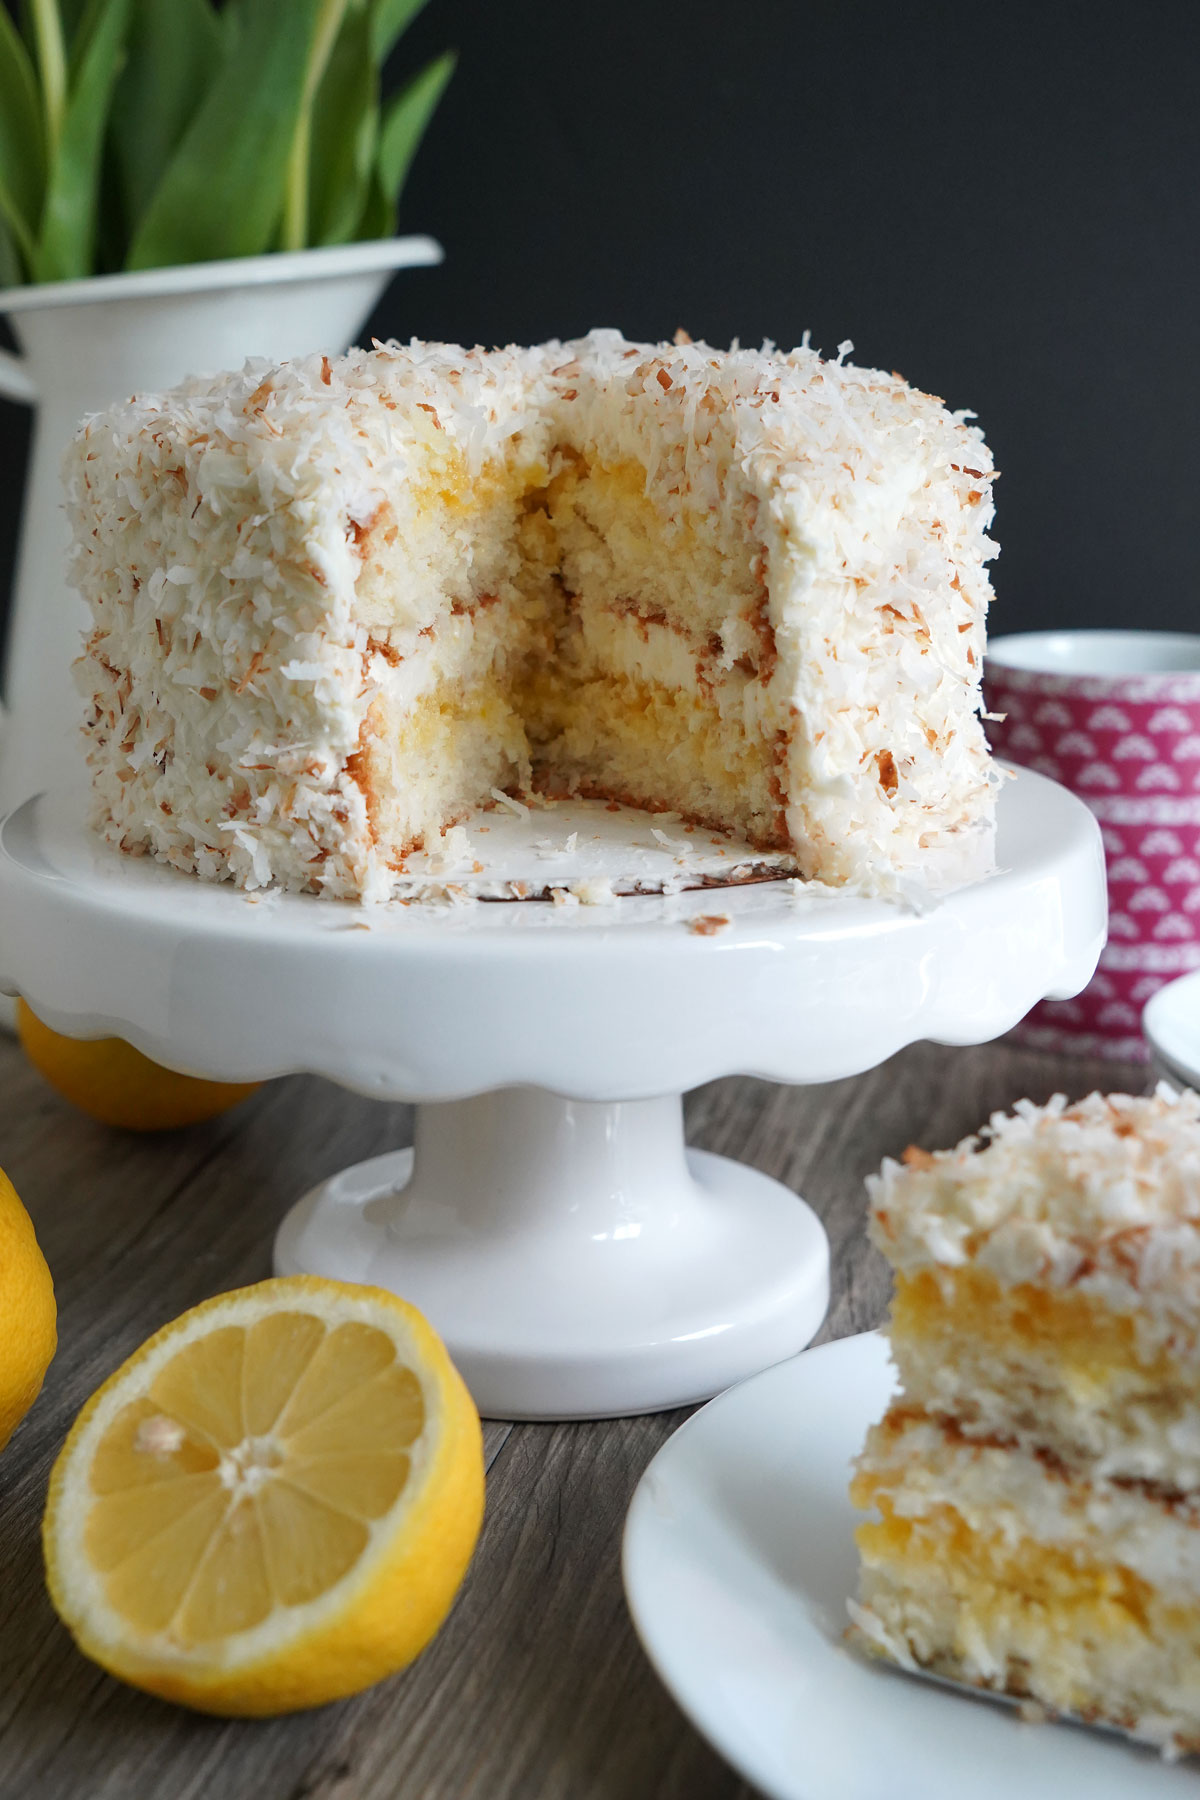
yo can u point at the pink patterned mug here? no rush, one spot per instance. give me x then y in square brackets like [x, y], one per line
[1115, 717]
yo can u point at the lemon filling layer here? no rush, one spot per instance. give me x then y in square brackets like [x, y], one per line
[1046, 1367]
[1089, 1340]
[998, 1581]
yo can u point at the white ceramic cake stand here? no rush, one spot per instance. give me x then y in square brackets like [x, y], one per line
[577, 1259]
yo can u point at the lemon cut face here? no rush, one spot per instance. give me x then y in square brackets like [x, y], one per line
[272, 1503]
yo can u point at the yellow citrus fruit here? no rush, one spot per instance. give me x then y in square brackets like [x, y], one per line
[272, 1504]
[27, 1313]
[118, 1085]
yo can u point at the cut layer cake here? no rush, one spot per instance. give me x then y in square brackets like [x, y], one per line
[339, 603]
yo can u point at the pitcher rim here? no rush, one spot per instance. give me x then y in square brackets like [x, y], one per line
[322, 263]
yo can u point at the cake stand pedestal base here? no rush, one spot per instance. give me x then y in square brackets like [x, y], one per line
[578, 1261]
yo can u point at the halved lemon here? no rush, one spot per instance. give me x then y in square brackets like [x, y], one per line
[272, 1504]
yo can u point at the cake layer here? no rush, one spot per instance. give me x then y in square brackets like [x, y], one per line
[994, 1567]
[648, 744]
[618, 542]
[1048, 1368]
[637, 707]
[274, 560]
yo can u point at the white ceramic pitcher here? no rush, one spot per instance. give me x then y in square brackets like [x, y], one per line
[88, 343]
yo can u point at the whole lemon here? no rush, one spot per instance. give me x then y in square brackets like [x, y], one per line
[116, 1084]
[27, 1313]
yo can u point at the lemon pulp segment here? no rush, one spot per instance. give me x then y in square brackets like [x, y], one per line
[259, 1454]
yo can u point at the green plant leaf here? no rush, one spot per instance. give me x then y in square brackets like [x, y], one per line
[345, 126]
[294, 231]
[22, 141]
[31, 15]
[405, 120]
[378, 216]
[222, 193]
[71, 12]
[12, 270]
[67, 240]
[390, 19]
[175, 50]
[80, 23]
[41, 24]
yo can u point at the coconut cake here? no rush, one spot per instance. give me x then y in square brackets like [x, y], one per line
[338, 603]
[1035, 1484]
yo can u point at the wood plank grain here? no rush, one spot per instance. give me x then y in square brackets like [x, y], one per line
[536, 1689]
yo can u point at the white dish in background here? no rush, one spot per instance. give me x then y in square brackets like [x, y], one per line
[1098, 653]
[1171, 1023]
[738, 1561]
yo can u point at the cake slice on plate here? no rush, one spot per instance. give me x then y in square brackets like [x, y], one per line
[341, 602]
[1035, 1484]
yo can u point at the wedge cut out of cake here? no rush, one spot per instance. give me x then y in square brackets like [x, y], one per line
[339, 603]
[1035, 1484]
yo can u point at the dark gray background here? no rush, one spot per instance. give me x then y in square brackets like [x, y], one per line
[1002, 202]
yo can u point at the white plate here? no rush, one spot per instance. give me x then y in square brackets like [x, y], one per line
[739, 1559]
[1171, 1023]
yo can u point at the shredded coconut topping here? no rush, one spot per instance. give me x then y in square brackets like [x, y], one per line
[1102, 1195]
[517, 807]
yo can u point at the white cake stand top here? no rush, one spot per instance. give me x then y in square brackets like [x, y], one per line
[576, 1259]
[619, 1001]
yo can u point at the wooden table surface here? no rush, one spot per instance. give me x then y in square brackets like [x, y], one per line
[536, 1689]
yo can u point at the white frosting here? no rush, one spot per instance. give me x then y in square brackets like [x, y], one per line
[232, 664]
